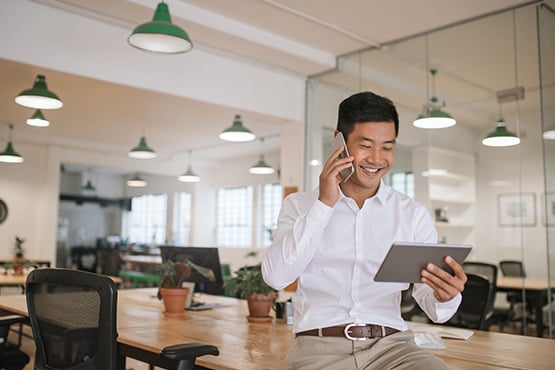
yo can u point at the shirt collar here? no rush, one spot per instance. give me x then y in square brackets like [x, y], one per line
[383, 192]
[381, 195]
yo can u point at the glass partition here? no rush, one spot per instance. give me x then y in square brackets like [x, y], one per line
[546, 30]
[487, 68]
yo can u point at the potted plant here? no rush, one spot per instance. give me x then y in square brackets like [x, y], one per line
[170, 291]
[249, 284]
[19, 259]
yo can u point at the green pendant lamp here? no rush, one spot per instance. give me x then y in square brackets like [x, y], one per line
[136, 182]
[39, 97]
[261, 167]
[9, 155]
[237, 132]
[142, 151]
[189, 175]
[160, 35]
[433, 117]
[38, 120]
[501, 136]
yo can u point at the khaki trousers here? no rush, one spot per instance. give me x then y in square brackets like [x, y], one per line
[396, 351]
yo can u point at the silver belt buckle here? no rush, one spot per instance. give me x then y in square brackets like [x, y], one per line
[346, 331]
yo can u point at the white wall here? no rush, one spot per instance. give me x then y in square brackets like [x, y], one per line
[23, 187]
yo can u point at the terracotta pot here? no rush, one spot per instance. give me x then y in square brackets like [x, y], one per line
[18, 266]
[174, 301]
[260, 305]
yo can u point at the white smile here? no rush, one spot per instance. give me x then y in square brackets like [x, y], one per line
[371, 170]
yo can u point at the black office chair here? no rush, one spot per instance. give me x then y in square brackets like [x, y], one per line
[476, 300]
[512, 268]
[481, 268]
[516, 300]
[11, 356]
[409, 307]
[73, 318]
[489, 271]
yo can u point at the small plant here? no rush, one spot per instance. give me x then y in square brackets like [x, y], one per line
[249, 283]
[172, 274]
[18, 249]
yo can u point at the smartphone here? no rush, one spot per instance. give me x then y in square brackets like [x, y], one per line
[339, 141]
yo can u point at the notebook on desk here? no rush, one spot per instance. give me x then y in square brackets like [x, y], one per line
[444, 331]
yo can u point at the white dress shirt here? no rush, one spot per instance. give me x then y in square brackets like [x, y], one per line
[335, 253]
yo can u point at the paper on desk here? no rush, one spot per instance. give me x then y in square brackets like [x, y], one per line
[429, 341]
[444, 332]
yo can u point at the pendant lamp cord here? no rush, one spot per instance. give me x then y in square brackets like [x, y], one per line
[359, 71]
[516, 71]
[10, 125]
[427, 50]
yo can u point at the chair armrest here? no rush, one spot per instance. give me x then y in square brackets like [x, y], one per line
[13, 319]
[187, 351]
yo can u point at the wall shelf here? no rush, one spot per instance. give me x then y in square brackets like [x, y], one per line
[445, 183]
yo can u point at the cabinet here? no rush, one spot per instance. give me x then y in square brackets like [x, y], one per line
[445, 183]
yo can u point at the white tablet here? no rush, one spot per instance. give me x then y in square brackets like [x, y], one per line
[404, 261]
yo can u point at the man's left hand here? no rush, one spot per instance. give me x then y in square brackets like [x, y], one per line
[445, 285]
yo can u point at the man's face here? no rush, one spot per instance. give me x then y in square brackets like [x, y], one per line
[373, 146]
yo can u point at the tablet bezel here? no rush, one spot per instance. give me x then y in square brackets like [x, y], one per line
[405, 260]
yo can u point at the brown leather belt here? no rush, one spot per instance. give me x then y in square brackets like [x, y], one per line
[351, 331]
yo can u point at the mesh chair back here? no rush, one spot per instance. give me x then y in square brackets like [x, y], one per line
[481, 268]
[476, 298]
[73, 318]
[512, 268]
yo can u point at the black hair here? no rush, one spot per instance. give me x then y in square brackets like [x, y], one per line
[365, 107]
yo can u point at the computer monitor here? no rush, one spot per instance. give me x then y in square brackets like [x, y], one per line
[205, 263]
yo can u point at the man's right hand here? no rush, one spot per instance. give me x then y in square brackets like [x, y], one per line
[330, 178]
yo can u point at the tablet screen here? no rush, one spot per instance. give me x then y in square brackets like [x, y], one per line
[404, 261]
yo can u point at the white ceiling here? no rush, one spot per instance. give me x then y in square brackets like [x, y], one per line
[297, 37]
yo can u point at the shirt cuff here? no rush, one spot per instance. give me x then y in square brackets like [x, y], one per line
[445, 310]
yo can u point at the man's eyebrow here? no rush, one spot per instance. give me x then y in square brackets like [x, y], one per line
[392, 141]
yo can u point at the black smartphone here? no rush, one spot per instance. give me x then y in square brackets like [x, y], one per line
[339, 141]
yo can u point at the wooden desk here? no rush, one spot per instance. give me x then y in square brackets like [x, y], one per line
[12, 280]
[244, 345]
[535, 288]
[37, 261]
[19, 280]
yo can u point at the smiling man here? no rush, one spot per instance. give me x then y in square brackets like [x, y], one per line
[333, 240]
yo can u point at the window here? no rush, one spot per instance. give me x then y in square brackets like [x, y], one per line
[271, 197]
[403, 182]
[234, 217]
[181, 218]
[147, 219]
